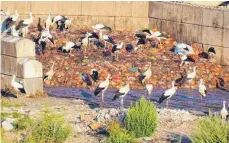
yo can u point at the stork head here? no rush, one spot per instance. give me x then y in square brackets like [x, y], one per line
[194, 68]
[109, 76]
[201, 80]
[224, 102]
[13, 77]
[173, 83]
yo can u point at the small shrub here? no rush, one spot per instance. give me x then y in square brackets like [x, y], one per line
[141, 118]
[24, 123]
[13, 114]
[50, 128]
[10, 104]
[211, 130]
[119, 134]
[16, 115]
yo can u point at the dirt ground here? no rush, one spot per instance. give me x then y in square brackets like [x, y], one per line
[170, 128]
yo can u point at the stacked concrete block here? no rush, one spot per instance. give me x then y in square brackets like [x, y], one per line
[18, 58]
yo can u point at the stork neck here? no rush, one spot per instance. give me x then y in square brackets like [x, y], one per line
[224, 105]
[100, 34]
[52, 67]
[13, 79]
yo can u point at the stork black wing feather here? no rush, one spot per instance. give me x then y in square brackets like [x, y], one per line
[162, 98]
[22, 90]
[98, 90]
[117, 95]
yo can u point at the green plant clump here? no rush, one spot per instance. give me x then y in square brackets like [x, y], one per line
[51, 128]
[10, 104]
[211, 130]
[24, 123]
[119, 134]
[141, 119]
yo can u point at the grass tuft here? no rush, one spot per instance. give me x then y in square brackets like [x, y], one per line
[141, 119]
[211, 130]
[119, 134]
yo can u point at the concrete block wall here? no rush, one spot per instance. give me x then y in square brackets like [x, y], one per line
[18, 58]
[207, 26]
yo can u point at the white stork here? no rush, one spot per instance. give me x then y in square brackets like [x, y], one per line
[99, 27]
[17, 86]
[50, 73]
[145, 75]
[106, 38]
[69, 46]
[191, 76]
[168, 94]
[102, 87]
[121, 93]
[24, 24]
[202, 90]
[48, 21]
[149, 88]
[116, 50]
[10, 21]
[14, 32]
[224, 112]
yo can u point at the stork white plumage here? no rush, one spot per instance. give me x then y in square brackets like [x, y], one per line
[67, 48]
[168, 94]
[149, 88]
[48, 21]
[202, 90]
[99, 27]
[145, 75]
[121, 93]
[67, 23]
[191, 76]
[46, 35]
[102, 87]
[116, 49]
[17, 86]
[106, 38]
[10, 21]
[57, 18]
[50, 73]
[156, 35]
[14, 32]
[23, 25]
[85, 43]
[224, 112]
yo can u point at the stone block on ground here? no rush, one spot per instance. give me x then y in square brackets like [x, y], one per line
[191, 14]
[29, 69]
[9, 64]
[212, 36]
[213, 17]
[17, 46]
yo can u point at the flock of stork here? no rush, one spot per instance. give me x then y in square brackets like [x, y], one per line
[95, 37]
